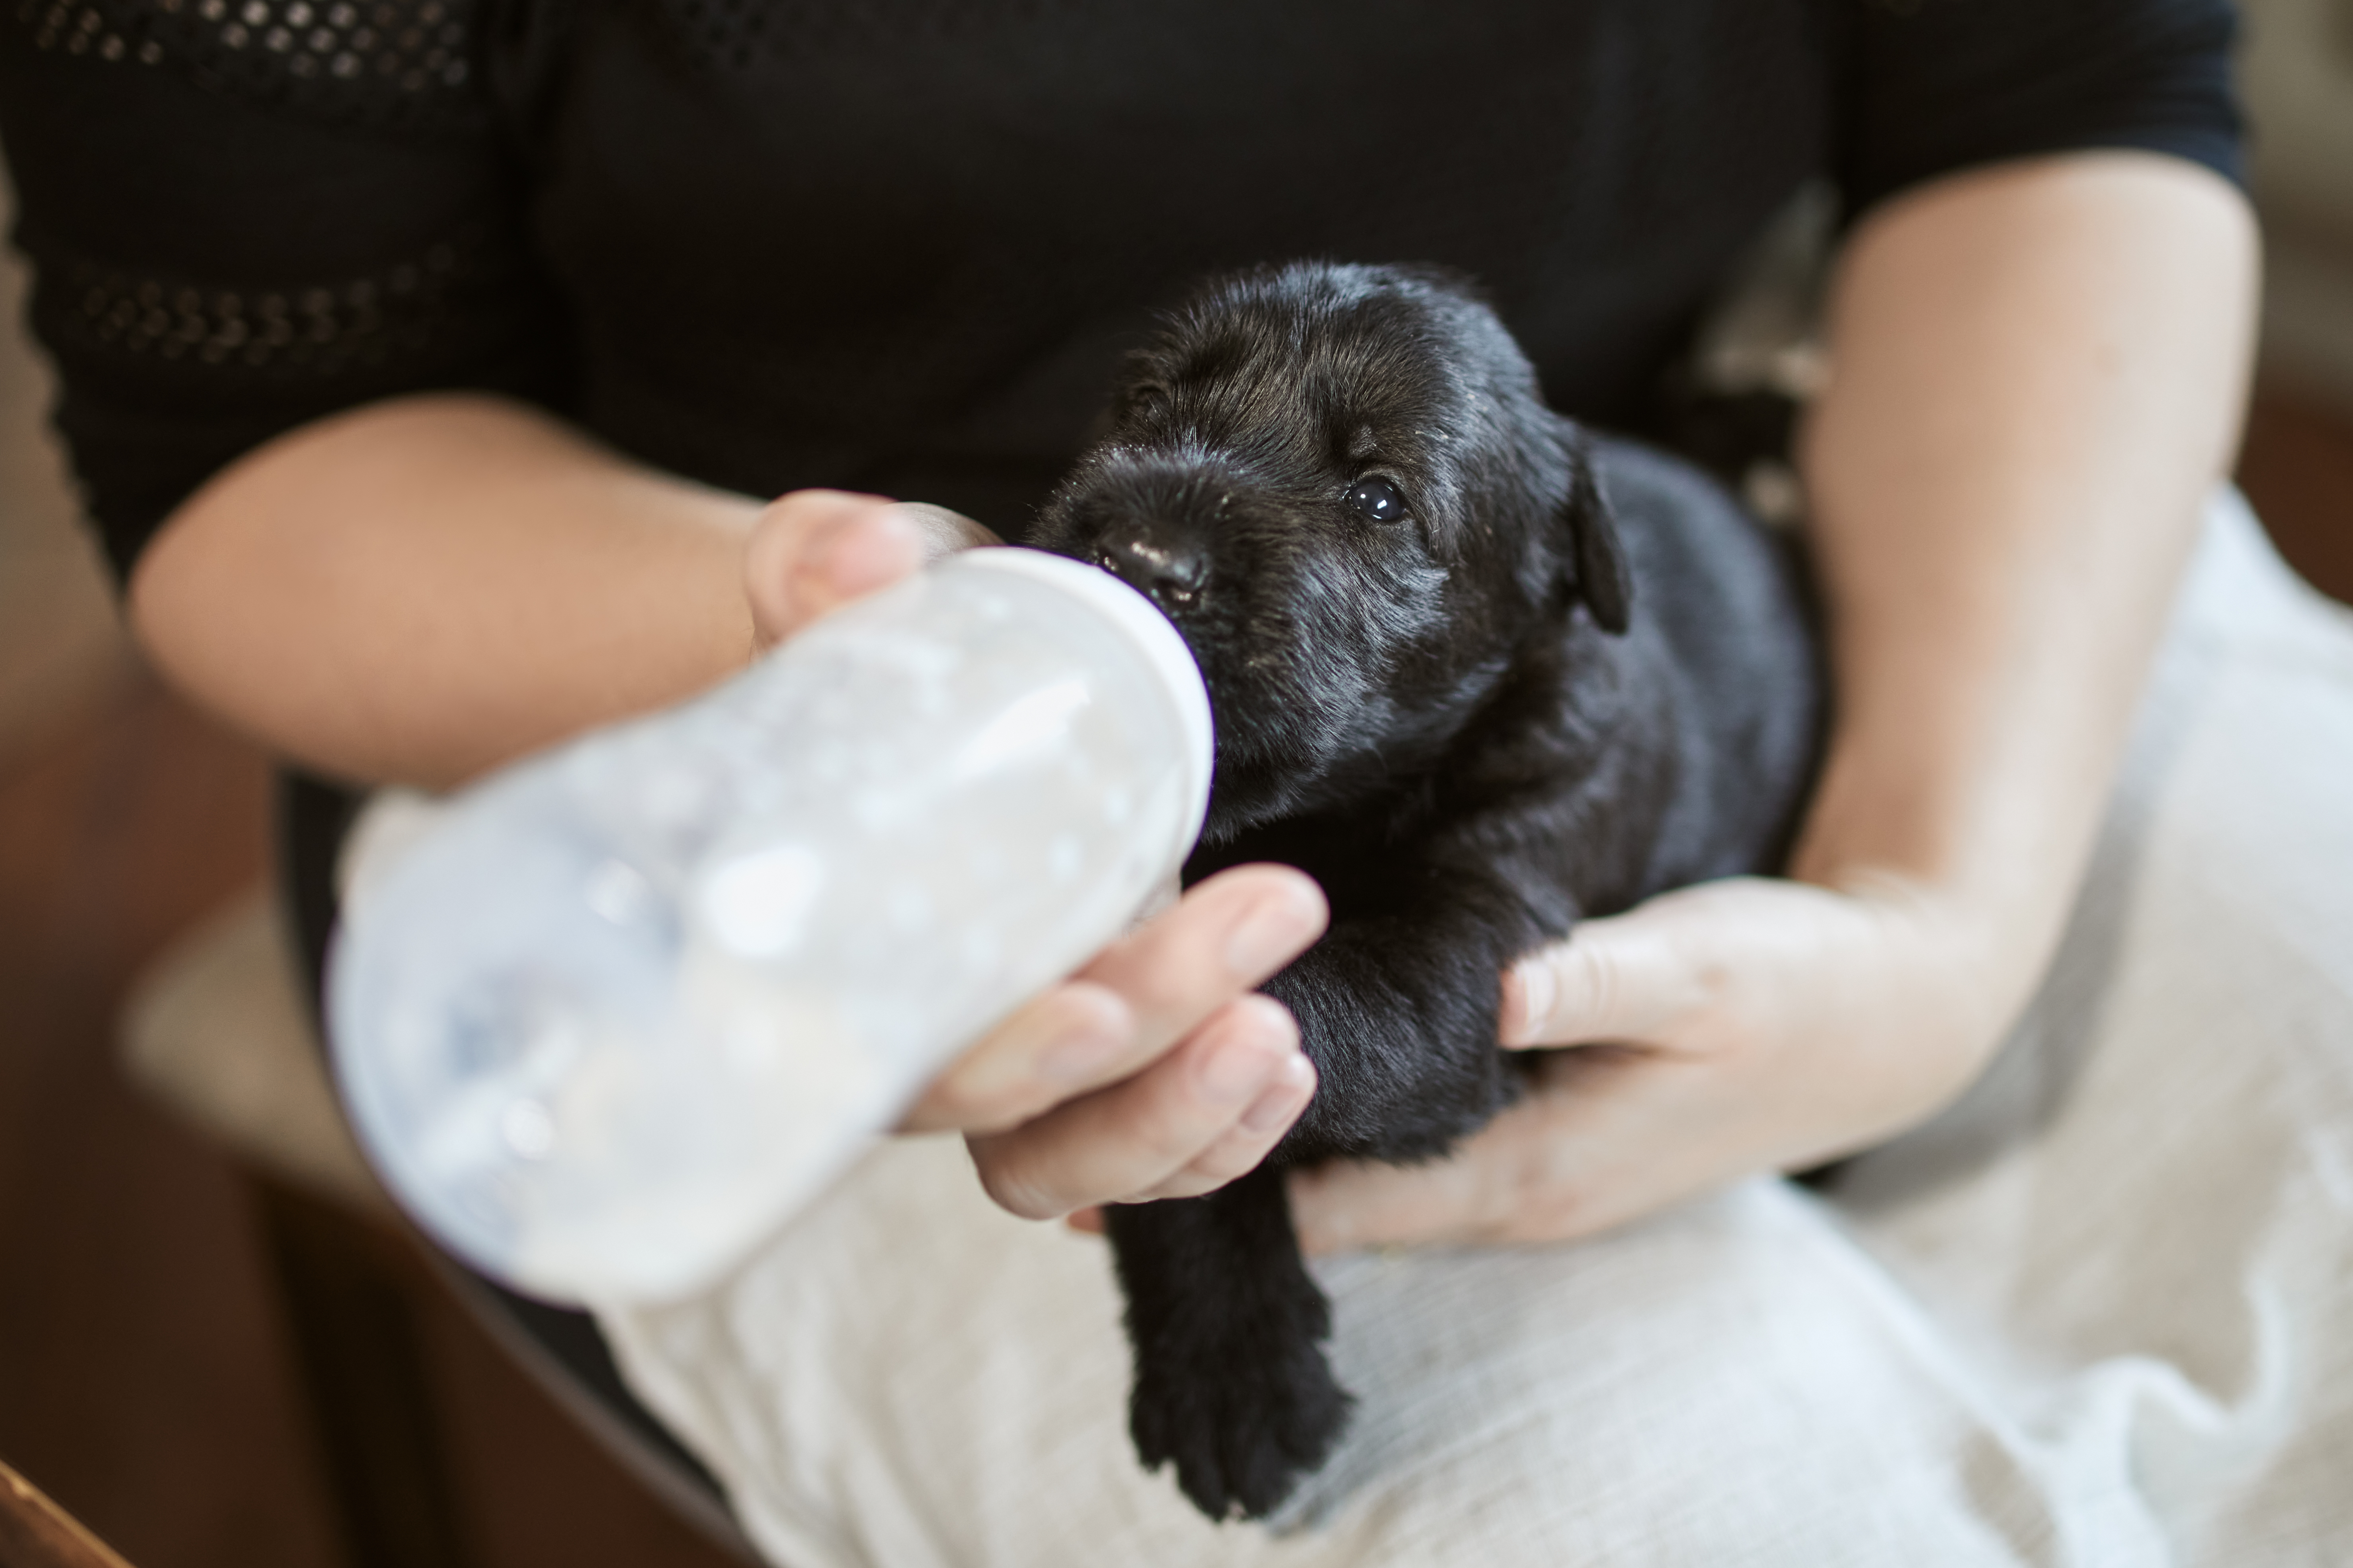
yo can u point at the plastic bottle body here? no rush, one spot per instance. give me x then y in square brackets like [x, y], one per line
[636, 1000]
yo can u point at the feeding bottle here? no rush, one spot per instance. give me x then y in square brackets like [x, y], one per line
[633, 1001]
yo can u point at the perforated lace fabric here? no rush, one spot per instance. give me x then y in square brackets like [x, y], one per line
[382, 62]
[392, 65]
[358, 322]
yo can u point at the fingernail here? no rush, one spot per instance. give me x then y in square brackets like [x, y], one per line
[860, 550]
[1536, 993]
[943, 531]
[1236, 1070]
[1079, 1053]
[811, 579]
[1276, 927]
[1294, 1084]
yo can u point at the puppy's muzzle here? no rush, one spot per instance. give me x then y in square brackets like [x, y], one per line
[1152, 527]
[1171, 575]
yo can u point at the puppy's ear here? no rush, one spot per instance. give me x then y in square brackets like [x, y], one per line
[1603, 581]
[1142, 381]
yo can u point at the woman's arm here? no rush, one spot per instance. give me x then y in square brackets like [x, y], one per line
[420, 590]
[2039, 372]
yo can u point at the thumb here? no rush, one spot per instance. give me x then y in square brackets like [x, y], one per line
[812, 550]
[1625, 977]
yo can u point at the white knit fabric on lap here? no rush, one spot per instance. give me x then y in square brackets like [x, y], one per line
[2100, 1313]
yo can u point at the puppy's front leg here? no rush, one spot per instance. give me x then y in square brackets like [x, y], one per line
[1231, 1382]
[1397, 1010]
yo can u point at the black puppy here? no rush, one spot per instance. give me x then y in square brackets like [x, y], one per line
[1478, 675]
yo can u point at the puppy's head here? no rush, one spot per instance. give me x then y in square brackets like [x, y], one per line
[1341, 484]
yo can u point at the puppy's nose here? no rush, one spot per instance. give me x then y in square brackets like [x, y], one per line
[1171, 575]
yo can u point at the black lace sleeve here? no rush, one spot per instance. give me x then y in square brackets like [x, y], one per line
[1940, 85]
[244, 215]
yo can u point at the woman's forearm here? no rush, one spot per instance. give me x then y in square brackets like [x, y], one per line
[420, 589]
[2039, 370]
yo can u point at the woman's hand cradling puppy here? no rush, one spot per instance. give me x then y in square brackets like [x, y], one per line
[1736, 1026]
[1156, 1071]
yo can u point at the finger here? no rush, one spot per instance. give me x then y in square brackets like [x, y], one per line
[1126, 1140]
[1528, 1175]
[1229, 933]
[1250, 1139]
[813, 551]
[1626, 977]
[1088, 1221]
[1067, 1041]
[1131, 1004]
[1345, 1205]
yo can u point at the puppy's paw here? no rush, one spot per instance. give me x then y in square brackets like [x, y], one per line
[1242, 1432]
[1231, 1387]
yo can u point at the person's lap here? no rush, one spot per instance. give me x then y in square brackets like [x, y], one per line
[2097, 1313]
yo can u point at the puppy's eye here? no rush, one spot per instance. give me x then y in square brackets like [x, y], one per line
[1377, 499]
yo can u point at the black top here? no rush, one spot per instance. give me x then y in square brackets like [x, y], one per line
[895, 244]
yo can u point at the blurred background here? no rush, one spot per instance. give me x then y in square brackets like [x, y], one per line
[148, 1376]
[149, 1379]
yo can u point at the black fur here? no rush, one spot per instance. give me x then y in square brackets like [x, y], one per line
[1514, 706]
